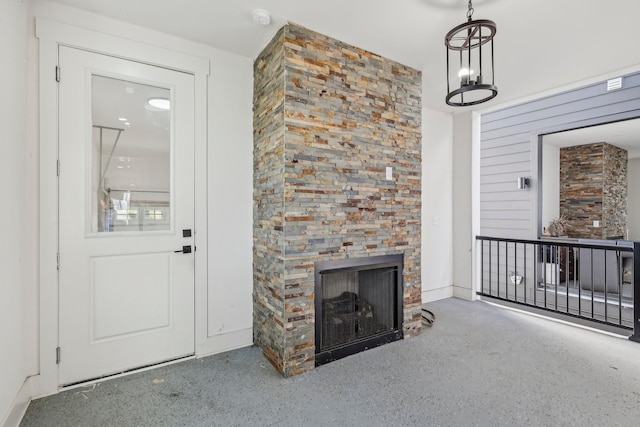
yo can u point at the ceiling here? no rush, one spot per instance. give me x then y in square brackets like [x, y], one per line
[120, 104]
[624, 134]
[540, 45]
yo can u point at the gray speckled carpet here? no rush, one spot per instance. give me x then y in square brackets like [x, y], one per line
[479, 365]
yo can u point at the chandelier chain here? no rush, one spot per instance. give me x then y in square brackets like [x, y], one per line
[470, 11]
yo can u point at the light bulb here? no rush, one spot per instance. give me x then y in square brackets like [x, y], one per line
[465, 72]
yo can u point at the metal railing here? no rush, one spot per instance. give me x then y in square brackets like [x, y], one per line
[587, 279]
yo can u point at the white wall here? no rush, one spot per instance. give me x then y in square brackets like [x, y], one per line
[550, 183]
[633, 198]
[230, 201]
[437, 205]
[463, 240]
[13, 50]
[224, 308]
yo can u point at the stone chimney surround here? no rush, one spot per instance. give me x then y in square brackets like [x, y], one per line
[337, 175]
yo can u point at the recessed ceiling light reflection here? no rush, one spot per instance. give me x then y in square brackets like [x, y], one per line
[160, 103]
[122, 119]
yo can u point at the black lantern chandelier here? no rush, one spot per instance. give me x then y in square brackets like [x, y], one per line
[467, 41]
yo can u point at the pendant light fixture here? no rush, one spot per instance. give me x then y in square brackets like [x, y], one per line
[468, 44]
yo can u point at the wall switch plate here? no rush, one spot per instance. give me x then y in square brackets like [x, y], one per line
[389, 173]
[596, 224]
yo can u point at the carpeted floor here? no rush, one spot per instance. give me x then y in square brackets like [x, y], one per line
[479, 365]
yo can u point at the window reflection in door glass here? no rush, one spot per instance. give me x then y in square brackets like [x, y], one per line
[130, 156]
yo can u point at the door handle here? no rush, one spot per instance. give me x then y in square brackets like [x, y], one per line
[185, 250]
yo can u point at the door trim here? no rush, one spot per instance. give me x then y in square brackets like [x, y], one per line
[51, 35]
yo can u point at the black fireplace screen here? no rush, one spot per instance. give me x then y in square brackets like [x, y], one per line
[357, 306]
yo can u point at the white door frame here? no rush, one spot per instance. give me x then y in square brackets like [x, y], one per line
[51, 35]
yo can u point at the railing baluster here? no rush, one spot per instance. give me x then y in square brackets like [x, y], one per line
[482, 266]
[536, 249]
[636, 292]
[592, 276]
[498, 267]
[621, 285]
[524, 273]
[575, 267]
[580, 290]
[556, 274]
[515, 271]
[605, 285]
[567, 276]
[506, 270]
[490, 264]
[544, 285]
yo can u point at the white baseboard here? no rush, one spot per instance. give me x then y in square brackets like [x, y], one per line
[464, 293]
[225, 342]
[21, 402]
[431, 295]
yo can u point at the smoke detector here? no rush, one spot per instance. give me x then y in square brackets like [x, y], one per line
[261, 16]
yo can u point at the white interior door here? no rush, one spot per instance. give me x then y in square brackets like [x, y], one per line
[126, 205]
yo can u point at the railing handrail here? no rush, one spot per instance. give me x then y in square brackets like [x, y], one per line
[564, 242]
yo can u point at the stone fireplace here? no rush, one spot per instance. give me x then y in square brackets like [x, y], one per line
[337, 169]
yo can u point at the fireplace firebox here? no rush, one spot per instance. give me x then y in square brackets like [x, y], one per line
[358, 305]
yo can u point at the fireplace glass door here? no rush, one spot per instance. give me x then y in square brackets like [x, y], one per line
[358, 305]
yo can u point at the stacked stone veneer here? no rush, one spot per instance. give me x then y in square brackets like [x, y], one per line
[593, 187]
[328, 119]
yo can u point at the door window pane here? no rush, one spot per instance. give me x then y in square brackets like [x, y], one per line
[130, 156]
